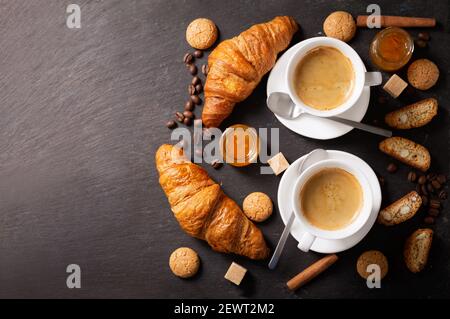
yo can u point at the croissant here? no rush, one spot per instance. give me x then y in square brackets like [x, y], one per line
[203, 210]
[237, 65]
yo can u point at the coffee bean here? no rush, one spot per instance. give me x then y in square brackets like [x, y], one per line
[436, 204]
[216, 164]
[171, 124]
[442, 194]
[188, 114]
[199, 88]
[423, 189]
[429, 220]
[433, 212]
[196, 80]
[419, 189]
[179, 116]
[198, 54]
[422, 179]
[192, 69]
[436, 184]
[412, 176]
[424, 36]
[196, 100]
[420, 43]
[187, 121]
[188, 58]
[431, 176]
[430, 188]
[424, 200]
[205, 69]
[441, 178]
[191, 89]
[391, 168]
[189, 106]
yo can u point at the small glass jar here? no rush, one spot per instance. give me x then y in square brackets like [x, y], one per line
[239, 145]
[391, 49]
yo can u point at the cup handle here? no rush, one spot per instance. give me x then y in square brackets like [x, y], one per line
[306, 242]
[373, 78]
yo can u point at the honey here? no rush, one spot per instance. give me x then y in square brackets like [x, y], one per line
[391, 49]
[239, 145]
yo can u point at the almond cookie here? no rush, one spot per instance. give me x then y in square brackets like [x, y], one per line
[417, 249]
[340, 25]
[257, 206]
[423, 74]
[407, 152]
[372, 257]
[201, 33]
[414, 115]
[184, 262]
[401, 210]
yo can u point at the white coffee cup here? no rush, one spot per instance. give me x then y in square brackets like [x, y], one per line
[311, 232]
[362, 77]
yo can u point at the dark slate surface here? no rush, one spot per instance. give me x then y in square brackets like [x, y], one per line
[83, 112]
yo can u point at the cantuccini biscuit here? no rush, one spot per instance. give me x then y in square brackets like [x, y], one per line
[400, 210]
[407, 152]
[414, 115]
[417, 249]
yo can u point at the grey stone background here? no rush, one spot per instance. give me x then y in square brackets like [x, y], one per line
[82, 113]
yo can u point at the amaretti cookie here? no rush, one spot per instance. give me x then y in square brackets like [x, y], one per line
[423, 74]
[184, 262]
[257, 206]
[371, 257]
[201, 33]
[340, 25]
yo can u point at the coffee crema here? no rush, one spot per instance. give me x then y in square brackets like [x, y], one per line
[324, 78]
[331, 199]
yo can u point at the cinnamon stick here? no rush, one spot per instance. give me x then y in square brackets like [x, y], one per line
[397, 21]
[311, 272]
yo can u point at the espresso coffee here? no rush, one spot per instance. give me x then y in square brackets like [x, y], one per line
[324, 78]
[331, 199]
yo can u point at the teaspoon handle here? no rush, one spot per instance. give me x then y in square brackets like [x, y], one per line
[362, 126]
[279, 249]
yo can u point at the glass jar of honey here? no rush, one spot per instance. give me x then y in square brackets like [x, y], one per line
[391, 49]
[239, 145]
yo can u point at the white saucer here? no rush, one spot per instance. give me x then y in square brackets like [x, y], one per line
[327, 246]
[306, 125]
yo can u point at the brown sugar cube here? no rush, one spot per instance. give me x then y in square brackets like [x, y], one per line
[395, 86]
[235, 273]
[278, 163]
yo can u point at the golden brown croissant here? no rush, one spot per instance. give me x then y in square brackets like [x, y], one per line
[237, 65]
[203, 210]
